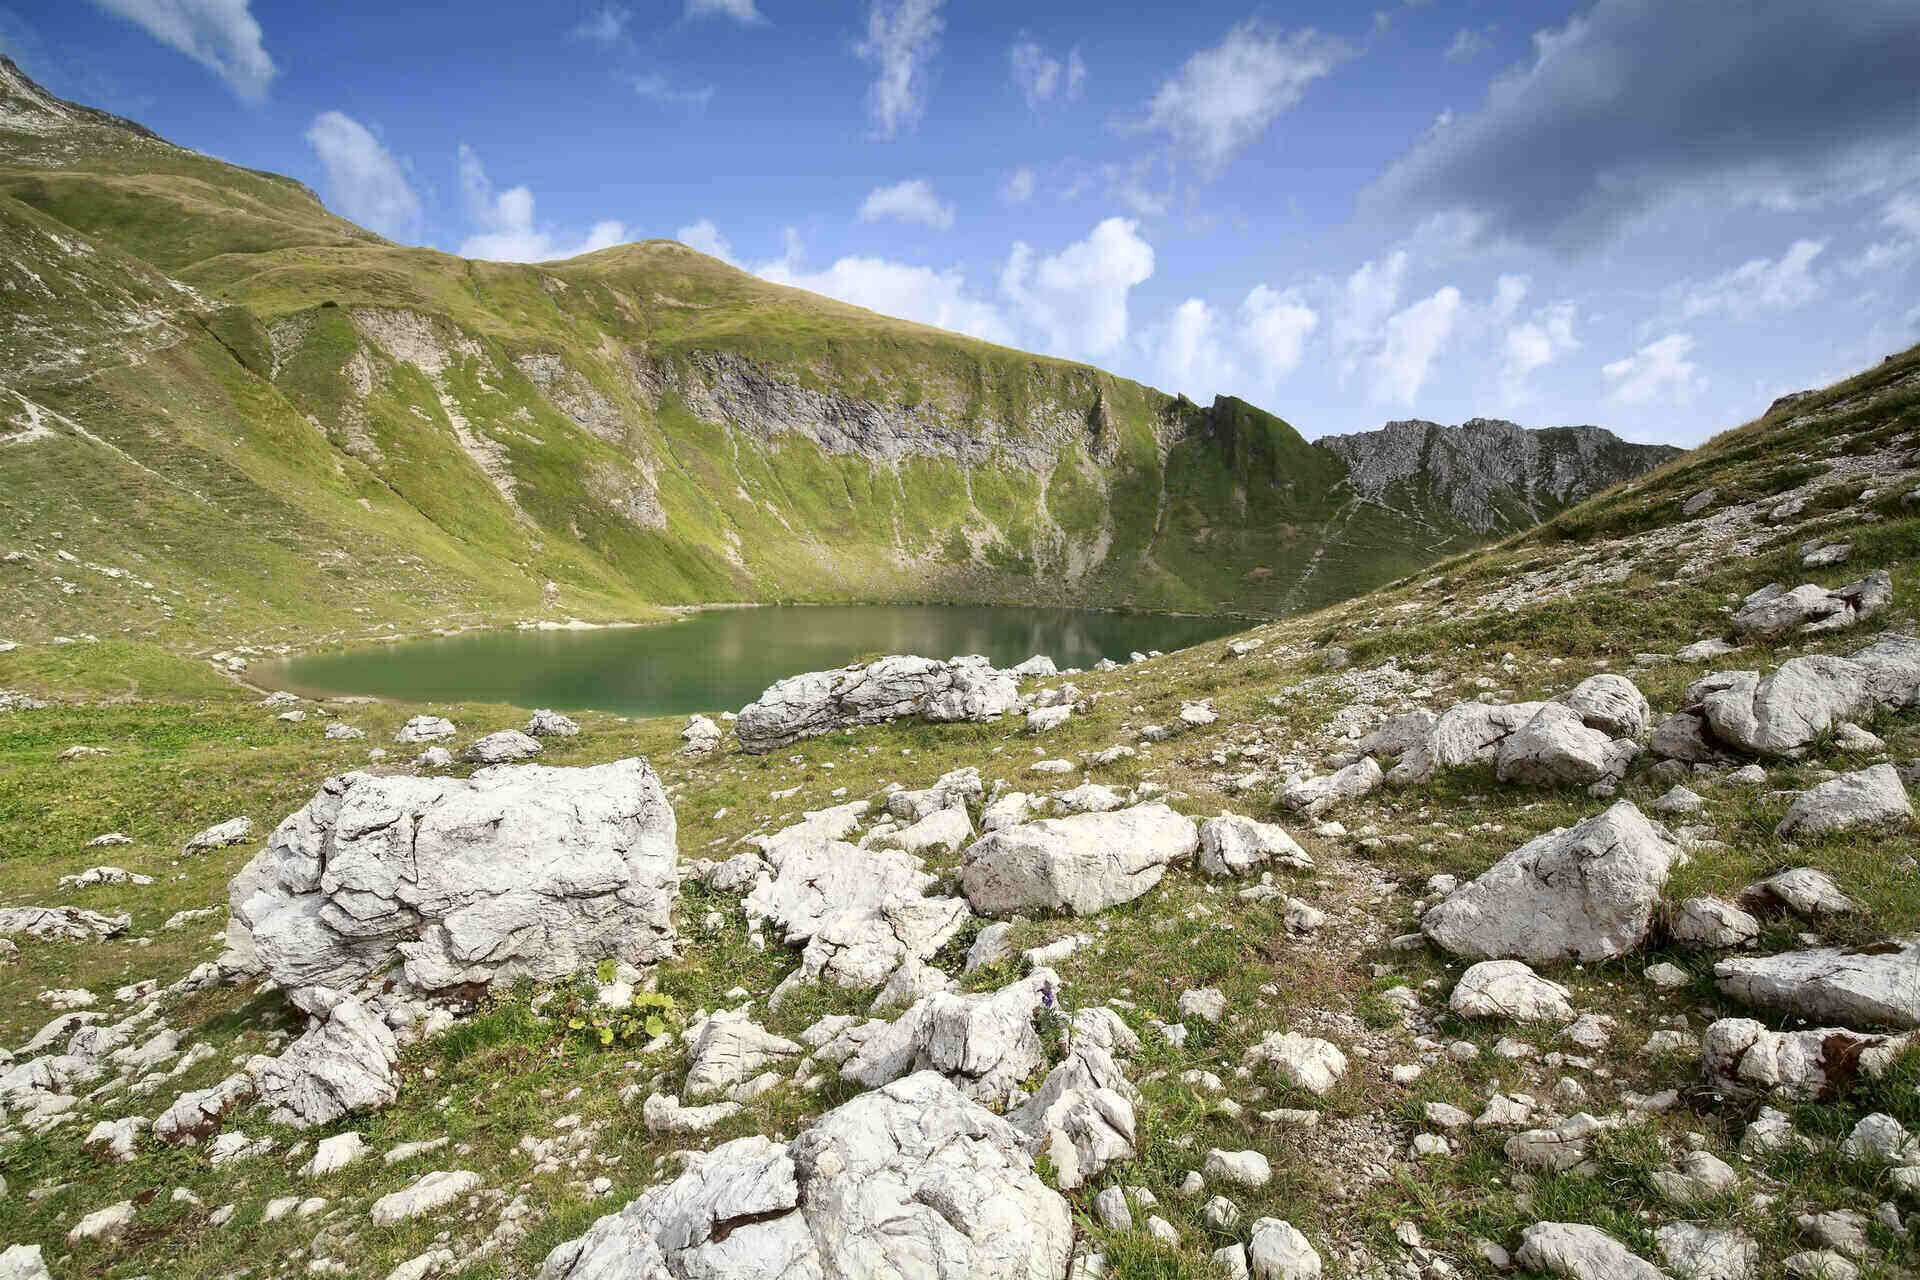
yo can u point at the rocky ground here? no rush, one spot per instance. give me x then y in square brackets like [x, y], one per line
[1553, 913]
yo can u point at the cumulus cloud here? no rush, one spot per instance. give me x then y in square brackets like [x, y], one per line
[655, 87]
[744, 12]
[1192, 350]
[1275, 326]
[605, 25]
[909, 201]
[220, 35]
[929, 296]
[1365, 300]
[1658, 371]
[364, 181]
[902, 38]
[706, 237]
[1202, 351]
[1761, 284]
[1534, 345]
[1637, 102]
[1018, 188]
[1413, 337]
[1224, 98]
[1041, 76]
[1077, 298]
[507, 230]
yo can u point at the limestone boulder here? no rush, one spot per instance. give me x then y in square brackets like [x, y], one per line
[1586, 893]
[1509, 989]
[1870, 798]
[1232, 845]
[1079, 864]
[910, 1179]
[1314, 796]
[817, 702]
[346, 1063]
[1556, 748]
[1876, 988]
[1580, 1252]
[520, 871]
[1741, 1056]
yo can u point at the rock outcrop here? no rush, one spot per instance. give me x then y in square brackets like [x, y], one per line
[910, 1179]
[520, 871]
[817, 702]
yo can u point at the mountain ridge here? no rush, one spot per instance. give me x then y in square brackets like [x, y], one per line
[261, 383]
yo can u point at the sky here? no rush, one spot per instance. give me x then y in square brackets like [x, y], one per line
[1653, 215]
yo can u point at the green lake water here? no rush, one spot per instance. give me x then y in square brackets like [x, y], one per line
[720, 660]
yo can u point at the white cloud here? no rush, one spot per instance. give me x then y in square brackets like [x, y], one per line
[1132, 185]
[909, 201]
[1018, 188]
[1660, 370]
[1192, 352]
[364, 181]
[1224, 98]
[743, 12]
[1365, 301]
[938, 298]
[1467, 45]
[1413, 338]
[902, 38]
[1762, 284]
[1275, 327]
[605, 25]
[1535, 344]
[1902, 217]
[508, 232]
[1041, 76]
[1078, 297]
[706, 237]
[655, 87]
[1507, 296]
[220, 35]
[1202, 352]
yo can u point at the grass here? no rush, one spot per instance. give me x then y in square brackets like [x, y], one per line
[236, 507]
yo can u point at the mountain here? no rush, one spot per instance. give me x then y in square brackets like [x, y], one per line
[230, 413]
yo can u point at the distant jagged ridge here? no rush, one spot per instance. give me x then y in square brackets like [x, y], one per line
[1491, 475]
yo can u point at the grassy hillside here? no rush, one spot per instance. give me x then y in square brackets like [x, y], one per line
[290, 429]
[1618, 585]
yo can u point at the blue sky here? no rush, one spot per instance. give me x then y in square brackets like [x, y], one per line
[1654, 215]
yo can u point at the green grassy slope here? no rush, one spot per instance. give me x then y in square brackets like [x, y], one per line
[1615, 584]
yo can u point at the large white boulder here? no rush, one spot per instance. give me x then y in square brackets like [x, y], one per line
[985, 1043]
[1782, 714]
[1770, 613]
[1612, 704]
[1585, 893]
[1556, 748]
[1870, 798]
[1828, 985]
[1580, 1252]
[911, 1179]
[1080, 864]
[1466, 733]
[520, 871]
[817, 702]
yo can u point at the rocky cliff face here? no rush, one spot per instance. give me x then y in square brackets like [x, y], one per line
[1489, 474]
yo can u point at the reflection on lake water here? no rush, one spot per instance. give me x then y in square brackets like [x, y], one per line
[721, 659]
